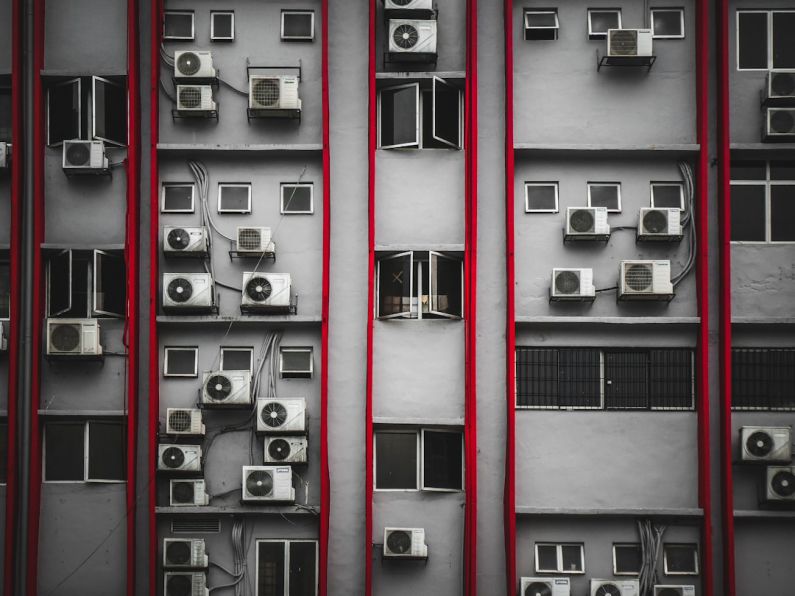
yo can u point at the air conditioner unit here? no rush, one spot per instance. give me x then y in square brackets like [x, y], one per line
[274, 96]
[412, 36]
[193, 64]
[780, 484]
[572, 285]
[285, 450]
[545, 586]
[185, 584]
[766, 444]
[586, 223]
[659, 224]
[408, 4]
[671, 590]
[3, 340]
[84, 157]
[263, 484]
[779, 124]
[226, 388]
[281, 415]
[195, 100]
[186, 242]
[184, 422]
[609, 587]
[645, 280]
[5, 155]
[254, 241]
[405, 543]
[73, 338]
[781, 86]
[629, 43]
[188, 292]
[265, 291]
[184, 553]
[187, 493]
[179, 458]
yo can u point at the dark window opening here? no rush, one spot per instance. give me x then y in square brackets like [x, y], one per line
[222, 26]
[600, 21]
[110, 111]
[396, 460]
[178, 24]
[177, 198]
[752, 40]
[405, 111]
[106, 451]
[297, 197]
[668, 23]
[748, 213]
[442, 460]
[5, 289]
[181, 362]
[541, 197]
[270, 569]
[782, 213]
[87, 108]
[763, 378]
[541, 25]
[627, 559]
[234, 198]
[298, 25]
[110, 284]
[236, 358]
[85, 284]
[64, 456]
[64, 112]
[5, 114]
[783, 40]
[605, 194]
[748, 170]
[303, 568]
[3, 451]
[680, 559]
[295, 363]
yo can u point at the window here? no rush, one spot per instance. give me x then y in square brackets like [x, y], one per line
[627, 559]
[178, 24]
[181, 361]
[110, 281]
[64, 112]
[237, 359]
[605, 194]
[602, 19]
[541, 25]
[442, 460]
[420, 285]
[764, 39]
[109, 115]
[680, 559]
[177, 197]
[84, 451]
[5, 287]
[668, 23]
[222, 25]
[541, 197]
[286, 568]
[763, 378]
[84, 284]
[298, 25]
[3, 451]
[74, 104]
[295, 363]
[667, 194]
[297, 197]
[234, 198]
[618, 379]
[559, 558]
[763, 201]
[426, 459]
[5, 113]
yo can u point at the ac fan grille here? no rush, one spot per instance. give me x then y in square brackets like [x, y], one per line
[405, 36]
[78, 154]
[582, 221]
[639, 278]
[399, 542]
[65, 338]
[249, 239]
[266, 93]
[624, 42]
[180, 420]
[188, 64]
[567, 282]
[655, 221]
[190, 97]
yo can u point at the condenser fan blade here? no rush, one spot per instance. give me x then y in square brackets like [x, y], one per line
[259, 483]
[399, 542]
[274, 414]
[279, 449]
[759, 444]
[180, 290]
[783, 484]
[537, 589]
[219, 387]
[581, 221]
[173, 457]
[65, 338]
[178, 553]
[178, 239]
[179, 420]
[405, 36]
[258, 289]
[188, 64]
[183, 492]
[608, 590]
[179, 585]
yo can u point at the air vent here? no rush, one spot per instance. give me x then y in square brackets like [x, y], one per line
[405, 543]
[572, 285]
[255, 241]
[766, 444]
[779, 125]
[263, 484]
[187, 524]
[412, 36]
[629, 43]
[285, 450]
[281, 415]
[545, 586]
[586, 223]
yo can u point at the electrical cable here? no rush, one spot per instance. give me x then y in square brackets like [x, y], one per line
[233, 88]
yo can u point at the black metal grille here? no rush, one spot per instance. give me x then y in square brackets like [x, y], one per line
[763, 378]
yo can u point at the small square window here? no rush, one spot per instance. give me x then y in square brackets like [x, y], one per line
[396, 460]
[541, 197]
[295, 363]
[680, 559]
[667, 194]
[181, 362]
[234, 198]
[627, 559]
[222, 25]
[178, 24]
[298, 25]
[605, 194]
[297, 197]
[541, 25]
[237, 358]
[749, 214]
[566, 558]
[601, 20]
[177, 198]
[668, 23]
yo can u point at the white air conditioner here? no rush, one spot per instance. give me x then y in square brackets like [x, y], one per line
[265, 484]
[193, 64]
[408, 4]
[610, 587]
[265, 291]
[766, 444]
[779, 124]
[780, 484]
[226, 388]
[185, 583]
[5, 155]
[184, 422]
[572, 285]
[671, 590]
[84, 157]
[184, 553]
[3, 340]
[73, 338]
[405, 543]
[254, 241]
[179, 458]
[186, 242]
[285, 450]
[545, 586]
[281, 415]
[187, 493]
[659, 224]
[188, 291]
[412, 36]
[195, 100]
[781, 85]
[586, 223]
[629, 43]
[273, 95]
[645, 280]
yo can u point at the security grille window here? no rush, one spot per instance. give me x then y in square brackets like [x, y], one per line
[178, 24]
[617, 379]
[237, 358]
[564, 558]
[84, 451]
[667, 195]
[668, 23]
[3, 451]
[426, 459]
[181, 361]
[763, 201]
[680, 559]
[605, 194]
[297, 197]
[83, 284]
[541, 25]
[286, 568]
[234, 198]
[541, 197]
[600, 20]
[298, 25]
[627, 559]
[442, 460]
[420, 285]
[177, 197]
[295, 363]
[222, 25]
[763, 378]
[764, 39]
[5, 288]
[87, 108]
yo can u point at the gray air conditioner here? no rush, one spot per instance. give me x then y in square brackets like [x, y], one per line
[780, 484]
[285, 450]
[5, 155]
[655, 223]
[545, 586]
[195, 100]
[186, 242]
[672, 590]
[405, 543]
[281, 415]
[629, 43]
[3, 340]
[274, 96]
[779, 125]
[179, 458]
[254, 241]
[73, 338]
[84, 157]
[265, 292]
[226, 389]
[645, 280]
[188, 292]
[185, 583]
[187, 493]
[781, 86]
[412, 36]
[766, 444]
[268, 484]
[574, 285]
[408, 4]
[184, 422]
[610, 587]
[193, 64]
[184, 553]
[586, 223]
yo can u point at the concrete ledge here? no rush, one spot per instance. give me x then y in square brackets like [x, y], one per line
[605, 150]
[238, 320]
[763, 320]
[576, 320]
[766, 514]
[673, 512]
[240, 510]
[182, 148]
[385, 420]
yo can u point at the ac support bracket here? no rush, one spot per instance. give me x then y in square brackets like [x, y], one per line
[624, 61]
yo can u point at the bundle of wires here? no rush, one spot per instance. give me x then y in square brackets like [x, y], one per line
[688, 217]
[650, 544]
[239, 562]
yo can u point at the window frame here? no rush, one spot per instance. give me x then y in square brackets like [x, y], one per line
[402, 314]
[559, 546]
[286, 543]
[655, 183]
[458, 144]
[681, 12]
[194, 349]
[85, 423]
[417, 113]
[248, 349]
[418, 465]
[533, 183]
[4, 440]
[213, 14]
[293, 11]
[55, 314]
[768, 183]
[285, 185]
[94, 135]
[192, 14]
[166, 185]
[421, 461]
[79, 81]
[769, 13]
[296, 374]
[87, 451]
[617, 545]
[95, 278]
[680, 544]
[246, 185]
[598, 36]
[617, 185]
[540, 11]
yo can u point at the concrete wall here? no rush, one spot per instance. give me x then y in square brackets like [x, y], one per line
[764, 554]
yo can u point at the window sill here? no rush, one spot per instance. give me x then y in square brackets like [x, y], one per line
[673, 512]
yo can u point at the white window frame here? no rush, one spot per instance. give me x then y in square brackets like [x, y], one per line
[195, 373]
[681, 187]
[681, 12]
[286, 542]
[222, 185]
[768, 184]
[433, 293]
[617, 185]
[215, 13]
[418, 466]
[597, 36]
[769, 14]
[96, 312]
[529, 184]
[417, 128]
[178, 37]
[250, 351]
[285, 185]
[403, 314]
[50, 314]
[459, 142]
[292, 374]
[615, 558]
[166, 185]
[526, 27]
[79, 82]
[292, 11]
[94, 135]
[86, 451]
[559, 546]
[422, 460]
[680, 544]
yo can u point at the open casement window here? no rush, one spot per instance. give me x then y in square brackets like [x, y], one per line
[80, 451]
[442, 460]
[5, 287]
[109, 111]
[84, 284]
[5, 112]
[446, 116]
[446, 285]
[59, 284]
[541, 25]
[287, 568]
[106, 446]
[399, 116]
[110, 285]
[64, 112]
[395, 286]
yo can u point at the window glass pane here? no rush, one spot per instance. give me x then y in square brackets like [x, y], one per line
[394, 285]
[442, 460]
[178, 25]
[234, 198]
[671, 379]
[446, 275]
[5, 291]
[399, 116]
[667, 23]
[602, 20]
[782, 212]
[110, 279]
[63, 457]
[181, 362]
[296, 363]
[3, 452]
[106, 451]
[782, 170]
[428, 142]
[446, 113]
[541, 19]
[580, 378]
[396, 460]
[297, 25]
[110, 111]
[604, 195]
[296, 198]
[236, 358]
[81, 290]
[178, 197]
[666, 195]
[270, 568]
[680, 558]
[302, 568]
[748, 170]
[222, 25]
[752, 39]
[625, 380]
[571, 557]
[784, 40]
[627, 558]
[536, 377]
[546, 557]
[5, 115]
[60, 283]
[748, 212]
[541, 197]
[63, 112]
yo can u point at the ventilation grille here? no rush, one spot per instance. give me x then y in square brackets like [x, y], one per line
[196, 525]
[623, 42]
